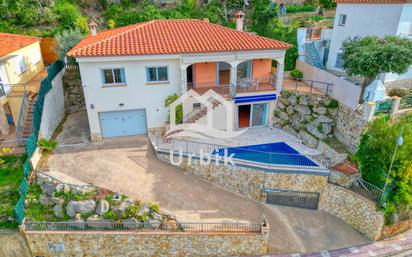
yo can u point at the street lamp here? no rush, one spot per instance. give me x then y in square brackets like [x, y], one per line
[399, 142]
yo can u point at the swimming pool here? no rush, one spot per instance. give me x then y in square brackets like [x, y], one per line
[273, 153]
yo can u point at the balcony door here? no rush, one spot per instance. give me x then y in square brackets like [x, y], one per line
[252, 115]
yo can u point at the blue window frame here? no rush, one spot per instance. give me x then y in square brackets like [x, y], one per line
[113, 76]
[157, 74]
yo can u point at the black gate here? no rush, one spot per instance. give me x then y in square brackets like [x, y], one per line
[308, 200]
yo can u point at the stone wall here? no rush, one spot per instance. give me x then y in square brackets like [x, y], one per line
[250, 182]
[73, 92]
[354, 209]
[333, 157]
[53, 109]
[395, 229]
[349, 127]
[121, 244]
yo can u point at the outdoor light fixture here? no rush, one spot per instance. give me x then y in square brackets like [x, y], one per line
[121, 104]
[91, 106]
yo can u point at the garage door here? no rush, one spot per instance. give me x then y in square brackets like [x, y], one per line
[123, 123]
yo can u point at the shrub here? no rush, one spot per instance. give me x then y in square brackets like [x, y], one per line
[154, 207]
[297, 74]
[333, 103]
[110, 215]
[179, 109]
[47, 146]
[299, 8]
[66, 40]
[397, 91]
[133, 209]
[70, 17]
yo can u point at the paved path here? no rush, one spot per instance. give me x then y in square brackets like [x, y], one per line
[13, 244]
[128, 165]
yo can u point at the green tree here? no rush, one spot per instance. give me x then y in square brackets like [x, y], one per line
[70, 17]
[370, 56]
[374, 157]
[66, 40]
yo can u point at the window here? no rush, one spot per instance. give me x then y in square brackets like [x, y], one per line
[196, 106]
[157, 74]
[21, 64]
[342, 19]
[113, 76]
[339, 61]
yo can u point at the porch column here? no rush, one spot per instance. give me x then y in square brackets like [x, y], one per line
[233, 77]
[279, 76]
[183, 77]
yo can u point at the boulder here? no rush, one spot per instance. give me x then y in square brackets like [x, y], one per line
[320, 110]
[326, 128]
[275, 120]
[58, 211]
[304, 100]
[156, 216]
[308, 139]
[102, 207]
[48, 188]
[144, 210]
[302, 109]
[289, 110]
[292, 99]
[327, 101]
[82, 207]
[131, 223]
[283, 115]
[323, 119]
[45, 200]
[58, 200]
[60, 187]
[66, 189]
[313, 129]
[280, 105]
[122, 206]
[152, 224]
[290, 130]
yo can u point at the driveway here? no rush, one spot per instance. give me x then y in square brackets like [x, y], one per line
[128, 165]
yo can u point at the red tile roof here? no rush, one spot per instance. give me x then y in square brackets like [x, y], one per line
[12, 42]
[171, 37]
[370, 1]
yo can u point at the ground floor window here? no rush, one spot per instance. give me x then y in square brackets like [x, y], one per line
[252, 115]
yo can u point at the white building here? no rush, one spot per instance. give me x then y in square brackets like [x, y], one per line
[127, 73]
[360, 18]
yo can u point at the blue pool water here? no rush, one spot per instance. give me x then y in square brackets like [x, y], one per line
[274, 153]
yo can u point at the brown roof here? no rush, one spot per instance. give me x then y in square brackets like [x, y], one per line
[12, 42]
[171, 37]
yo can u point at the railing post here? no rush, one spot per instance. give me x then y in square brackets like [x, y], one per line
[311, 86]
[327, 89]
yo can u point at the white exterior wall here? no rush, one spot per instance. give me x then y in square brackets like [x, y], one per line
[53, 109]
[363, 20]
[137, 94]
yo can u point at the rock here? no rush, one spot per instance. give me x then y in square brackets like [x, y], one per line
[308, 139]
[326, 128]
[283, 115]
[102, 207]
[275, 120]
[320, 110]
[82, 207]
[60, 187]
[289, 110]
[283, 101]
[302, 109]
[304, 100]
[292, 99]
[58, 211]
[78, 217]
[280, 105]
[323, 119]
[290, 130]
[66, 189]
[131, 223]
[152, 224]
[93, 219]
[122, 207]
[45, 200]
[156, 216]
[58, 200]
[313, 129]
[48, 188]
[144, 210]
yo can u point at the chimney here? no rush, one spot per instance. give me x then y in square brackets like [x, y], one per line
[239, 20]
[93, 28]
[206, 20]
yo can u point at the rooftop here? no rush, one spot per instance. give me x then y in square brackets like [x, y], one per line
[12, 42]
[171, 37]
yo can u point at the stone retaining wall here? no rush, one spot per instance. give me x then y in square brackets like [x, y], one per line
[354, 209]
[75, 243]
[250, 182]
[395, 229]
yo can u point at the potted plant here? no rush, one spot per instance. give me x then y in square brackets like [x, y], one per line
[296, 74]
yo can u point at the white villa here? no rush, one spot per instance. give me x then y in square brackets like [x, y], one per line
[128, 72]
[358, 18]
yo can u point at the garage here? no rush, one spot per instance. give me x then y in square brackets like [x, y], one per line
[123, 123]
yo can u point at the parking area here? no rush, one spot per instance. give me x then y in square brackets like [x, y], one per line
[128, 165]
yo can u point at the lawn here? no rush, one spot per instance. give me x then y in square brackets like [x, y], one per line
[11, 174]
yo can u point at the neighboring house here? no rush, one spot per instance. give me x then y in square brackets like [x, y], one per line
[127, 73]
[358, 18]
[21, 68]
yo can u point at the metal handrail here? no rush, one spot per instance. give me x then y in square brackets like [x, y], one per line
[328, 85]
[143, 226]
[22, 116]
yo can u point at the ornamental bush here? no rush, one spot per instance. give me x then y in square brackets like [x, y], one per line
[297, 74]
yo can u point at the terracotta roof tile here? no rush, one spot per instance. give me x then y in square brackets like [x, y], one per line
[171, 37]
[12, 42]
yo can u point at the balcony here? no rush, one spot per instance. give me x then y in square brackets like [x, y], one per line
[243, 86]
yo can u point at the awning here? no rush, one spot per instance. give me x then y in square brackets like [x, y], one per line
[255, 98]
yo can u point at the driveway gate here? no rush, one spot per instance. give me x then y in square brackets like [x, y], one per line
[308, 200]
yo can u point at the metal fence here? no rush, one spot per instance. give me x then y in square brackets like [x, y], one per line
[143, 226]
[312, 87]
[31, 142]
[307, 200]
[358, 186]
[242, 155]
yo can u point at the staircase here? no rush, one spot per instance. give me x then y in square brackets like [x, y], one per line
[195, 115]
[314, 55]
[28, 122]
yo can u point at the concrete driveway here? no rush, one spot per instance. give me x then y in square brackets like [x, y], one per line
[128, 165]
